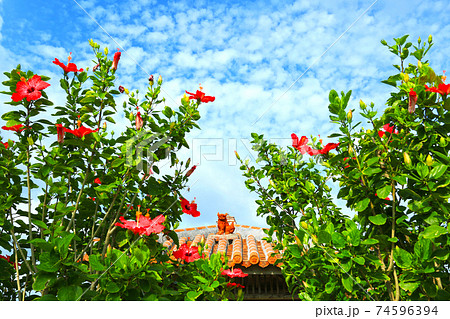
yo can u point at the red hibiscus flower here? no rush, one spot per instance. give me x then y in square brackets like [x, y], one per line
[232, 273]
[139, 121]
[15, 128]
[190, 171]
[70, 67]
[200, 96]
[189, 208]
[81, 131]
[97, 181]
[116, 60]
[328, 147]
[233, 284]
[143, 225]
[5, 144]
[60, 132]
[30, 89]
[300, 145]
[188, 254]
[387, 128]
[412, 101]
[442, 89]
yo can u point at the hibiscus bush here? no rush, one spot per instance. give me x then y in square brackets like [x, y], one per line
[393, 178]
[83, 209]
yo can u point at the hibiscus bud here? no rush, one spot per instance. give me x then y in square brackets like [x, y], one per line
[442, 142]
[297, 240]
[350, 150]
[126, 91]
[106, 51]
[104, 125]
[160, 80]
[150, 79]
[362, 105]
[139, 121]
[419, 40]
[429, 160]
[304, 225]
[237, 155]
[406, 159]
[96, 67]
[116, 60]
[184, 99]
[412, 101]
[121, 89]
[419, 64]
[430, 39]
[349, 115]
[189, 172]
[405, 77]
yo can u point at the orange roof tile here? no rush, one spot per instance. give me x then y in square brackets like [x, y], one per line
[246, 247]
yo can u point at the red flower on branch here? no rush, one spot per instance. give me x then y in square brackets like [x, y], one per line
[189, 208]
[97, 181]
[5, 144]
[81, 131]
[15, 128]
[116, 60]
[60, 132]
[143, 225]
[300, 145]
[232, 273]
[30, 89]
[200, 96]
[190, 171]
[443, 89]
[188, 254]
[328, 147]
[233, 284]
[412, 101]
[387, 128]
[70, 67]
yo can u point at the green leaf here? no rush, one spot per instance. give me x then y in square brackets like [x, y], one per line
[192, 295]
[362, 205]
[112, 287]
[422, 170]
[41, 280]
[438, 171]
[42, 244]
[338, 240]
[402, 258]
[371, 171]
[359, 260]
[48, 262]
[379, 219]
[423, 249]
[202, 279]
[69, 293]
[117, 162]
[95, 263]
[370, 241]
[384, 191]
[433, 231]
[410, 286]
[347, 281]
[441, 254]
[324, 237]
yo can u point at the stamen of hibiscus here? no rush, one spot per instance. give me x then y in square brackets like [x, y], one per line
[79, 122]
[200, 86]
[444, 77]
[22, 79]
[69, 57]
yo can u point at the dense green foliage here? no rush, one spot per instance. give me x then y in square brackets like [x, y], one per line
[394, 177]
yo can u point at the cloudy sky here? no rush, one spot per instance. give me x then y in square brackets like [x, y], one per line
[270, 65]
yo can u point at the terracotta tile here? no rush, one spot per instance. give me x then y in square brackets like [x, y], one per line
[189, 229]
[253, 227]
[202, 227]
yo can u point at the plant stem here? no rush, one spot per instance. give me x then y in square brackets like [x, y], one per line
[30, 228]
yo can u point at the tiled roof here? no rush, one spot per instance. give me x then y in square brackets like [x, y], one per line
[245, 247]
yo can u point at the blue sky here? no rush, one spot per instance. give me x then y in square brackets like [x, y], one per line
[246, 54]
